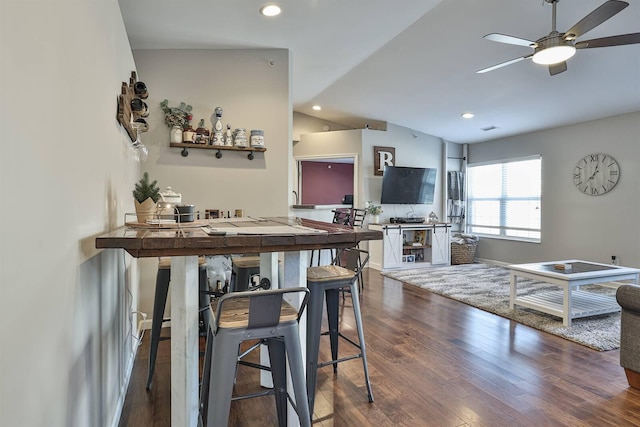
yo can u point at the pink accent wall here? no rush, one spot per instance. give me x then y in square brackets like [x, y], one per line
[324, 185]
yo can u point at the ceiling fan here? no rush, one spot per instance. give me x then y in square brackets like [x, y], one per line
[555, 48]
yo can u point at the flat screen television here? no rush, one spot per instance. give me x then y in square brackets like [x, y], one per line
[408, 185]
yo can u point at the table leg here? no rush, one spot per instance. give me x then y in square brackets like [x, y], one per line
[184, 341]
[295, 275]
[566, 309]
[268, 269]
[514, 286]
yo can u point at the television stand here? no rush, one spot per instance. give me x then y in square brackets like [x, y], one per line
[410, 246]
[408, 220]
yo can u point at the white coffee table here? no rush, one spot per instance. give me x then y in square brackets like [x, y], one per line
[570, 302]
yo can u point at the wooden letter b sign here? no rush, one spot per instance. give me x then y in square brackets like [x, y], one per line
[383, 156]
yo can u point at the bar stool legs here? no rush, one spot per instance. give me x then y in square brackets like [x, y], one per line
[358, 317]
[159, 303]
[326, 289]
[163, 278]
[242, 316]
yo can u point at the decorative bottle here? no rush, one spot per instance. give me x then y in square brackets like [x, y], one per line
[202, 133]
[217, 124]
[189, 134]
[228, 140]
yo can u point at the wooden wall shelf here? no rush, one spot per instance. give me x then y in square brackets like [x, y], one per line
[186, 146]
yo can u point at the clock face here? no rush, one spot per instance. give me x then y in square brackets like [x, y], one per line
[596, 174]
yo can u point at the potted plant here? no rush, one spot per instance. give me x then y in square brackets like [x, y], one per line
[374, 211]
[146, 195]
[177, 118]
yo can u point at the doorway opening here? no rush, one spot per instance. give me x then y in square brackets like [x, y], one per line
[326, 180]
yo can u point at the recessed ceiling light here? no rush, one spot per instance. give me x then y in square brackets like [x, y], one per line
[270, 10]
[467, 115]
[317, 107]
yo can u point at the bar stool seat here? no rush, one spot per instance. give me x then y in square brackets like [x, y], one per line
[243, 270]
[241, 316]
[163, 278]
[325, 283]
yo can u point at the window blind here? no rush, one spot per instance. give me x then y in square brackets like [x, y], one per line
[504, 199]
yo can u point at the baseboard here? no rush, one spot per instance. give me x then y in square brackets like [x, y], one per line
[146, 324]
[492, 262]
[117, 413]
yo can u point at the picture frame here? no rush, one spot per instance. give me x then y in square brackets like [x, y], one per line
[409, 258]
[419, 236]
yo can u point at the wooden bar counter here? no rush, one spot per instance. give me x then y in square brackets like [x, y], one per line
[295, 237]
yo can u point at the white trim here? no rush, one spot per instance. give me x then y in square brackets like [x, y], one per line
[146, 324]
[492, 262]
[117, 413]
[507, 160]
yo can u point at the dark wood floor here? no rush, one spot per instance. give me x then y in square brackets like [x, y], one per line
[433, 362]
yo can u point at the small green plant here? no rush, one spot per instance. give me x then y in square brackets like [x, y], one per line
[144, 189]
[373, 209]
[176, 116]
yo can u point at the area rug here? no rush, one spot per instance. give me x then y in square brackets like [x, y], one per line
[487, 287]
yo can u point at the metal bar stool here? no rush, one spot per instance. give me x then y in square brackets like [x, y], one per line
[160, 301]
[353, 259]
[341, 216]
[243, 270]
[241, 316]
[325, 283]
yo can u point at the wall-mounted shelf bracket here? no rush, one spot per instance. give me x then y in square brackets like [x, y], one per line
[186, 146]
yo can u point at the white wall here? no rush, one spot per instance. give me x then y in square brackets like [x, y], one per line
[413, 148]
[253, 95]
[303, 123]
[66, 176]
[575, 225]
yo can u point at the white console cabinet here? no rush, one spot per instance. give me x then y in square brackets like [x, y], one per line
[411, 246]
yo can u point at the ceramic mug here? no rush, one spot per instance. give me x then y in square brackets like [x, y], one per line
[184, 213]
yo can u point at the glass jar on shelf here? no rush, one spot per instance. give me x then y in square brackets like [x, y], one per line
[176, 133]
[240, 137]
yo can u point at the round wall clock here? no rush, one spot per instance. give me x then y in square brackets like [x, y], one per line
[596, 174]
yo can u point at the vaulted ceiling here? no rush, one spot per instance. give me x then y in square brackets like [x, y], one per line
[413, 63]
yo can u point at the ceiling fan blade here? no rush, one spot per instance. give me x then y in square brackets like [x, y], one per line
[618, 40]
[595, 18]
[503, 38]
[558, 68]
[503, 64]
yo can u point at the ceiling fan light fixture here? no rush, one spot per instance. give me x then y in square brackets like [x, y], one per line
[554, 54]
[467, 115]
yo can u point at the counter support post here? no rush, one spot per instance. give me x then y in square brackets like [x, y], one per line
[184, 341]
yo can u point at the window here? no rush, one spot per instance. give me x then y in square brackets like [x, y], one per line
[504, 199]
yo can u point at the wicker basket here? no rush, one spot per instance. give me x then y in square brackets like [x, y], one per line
[463, 253]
